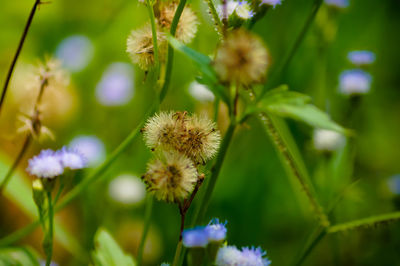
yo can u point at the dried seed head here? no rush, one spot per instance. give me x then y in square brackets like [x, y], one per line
[242, 58]
[140, 46]
[171, 177]
[196, 137]
[187, 25]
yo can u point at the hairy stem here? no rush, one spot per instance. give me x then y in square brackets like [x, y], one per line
[214, 14]
[170, 57]
[17, 53]
[147, 219]
[284, 151]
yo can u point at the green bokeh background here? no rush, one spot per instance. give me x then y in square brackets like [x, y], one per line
[262, 205]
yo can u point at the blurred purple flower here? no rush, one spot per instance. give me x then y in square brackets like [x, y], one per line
[90, 147]
[75, 52]
[116, 85]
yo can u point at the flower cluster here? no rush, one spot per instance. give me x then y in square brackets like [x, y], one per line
[201, 236]
[215, 232]
[181, 142]
[357, 81]
[140, 41]
[49, 163]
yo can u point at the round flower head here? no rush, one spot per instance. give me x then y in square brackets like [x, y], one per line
[196, 137]
[361, 58]
[71, 158]
[215, 230]
[354, 82]
[140, 46]
[272, 3]
[170, 178]
[327, 140]
[228, 256]
[243, 10]
[195, 238]
[127, 189]
[164, 130]
[45, 165]
[254, 257]
[241, 58]
[340, 4]
[187, 25]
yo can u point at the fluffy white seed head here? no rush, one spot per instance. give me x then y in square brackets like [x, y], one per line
[171, 177]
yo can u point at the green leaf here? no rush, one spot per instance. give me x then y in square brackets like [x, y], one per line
[108, 253]
[373, 221]
[23, 256]
[209, 77]
[295, 105]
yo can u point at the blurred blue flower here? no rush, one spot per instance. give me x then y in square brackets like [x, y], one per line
[116, 85]
[215, 230]
[196, 237]
[354, 82]
[394, 184]
[337, 3]
[45, 165]
[75, 52]
[254, 257]
[360, 58]
[71, 158]
[272, 3]
[90, 147]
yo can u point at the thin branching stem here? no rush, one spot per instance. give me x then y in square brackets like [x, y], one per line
[216, 18]
[147, 220]
[18, 52]
[299, 39]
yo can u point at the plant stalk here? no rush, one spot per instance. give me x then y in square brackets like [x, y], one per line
[147, 219]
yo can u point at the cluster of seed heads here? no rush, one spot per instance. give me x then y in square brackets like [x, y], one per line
[181, 143]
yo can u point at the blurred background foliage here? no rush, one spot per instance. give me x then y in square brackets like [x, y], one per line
[262, 205]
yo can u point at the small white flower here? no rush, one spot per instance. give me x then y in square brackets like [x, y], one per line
[355, 81]
[90, 147]
[327, 140]
[228, 256]
[71, 158]
[361, 58]
[127, 189]
[45, 165]
[200, 92]
[272, 3]
[230, 8]
[243, 10]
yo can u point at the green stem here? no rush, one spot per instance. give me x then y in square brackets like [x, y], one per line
[147, 219]
[16, 163]
[286, 155]
[206, 197]
[295, 47]
[154, 35]
[177, 253]
[48, 241]
[17, 53]
[170, 56]
[214, 14]
[316, 237]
